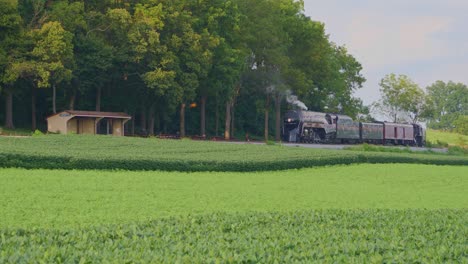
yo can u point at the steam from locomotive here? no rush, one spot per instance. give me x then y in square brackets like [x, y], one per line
[292, 99]
[316, 127]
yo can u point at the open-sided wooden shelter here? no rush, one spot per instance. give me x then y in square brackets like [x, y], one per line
[88, 122]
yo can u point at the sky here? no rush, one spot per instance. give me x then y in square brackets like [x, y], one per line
[424, 39]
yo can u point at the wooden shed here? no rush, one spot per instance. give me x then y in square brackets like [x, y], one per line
[88, 122]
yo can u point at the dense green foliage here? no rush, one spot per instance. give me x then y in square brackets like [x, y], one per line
[102, 152]
[461, 125]
[448, 106]
[444, 105]
[356, 236]
[152, 58]
[55, 199]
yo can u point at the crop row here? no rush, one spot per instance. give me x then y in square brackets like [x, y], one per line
[84, 152]
[360, 236]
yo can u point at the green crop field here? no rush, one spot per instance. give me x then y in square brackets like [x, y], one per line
[101, 152]
[330, 236]
[341, 213]
[149, 200]
[43, 198]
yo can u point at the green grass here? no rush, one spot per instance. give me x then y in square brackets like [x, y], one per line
[438, 137]
[15, 132]
[55, 199]
[380, 148]
[331, 236]
[104, 152]
[452, 150]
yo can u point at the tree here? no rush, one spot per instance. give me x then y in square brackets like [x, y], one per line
[461, 124]
[344, 78]
[190, 53]
[310, 56]
[46, 64]
[268, 43]
[145, 56]
[72, 17]
[402, 99]
[54, 56]
[219, 22]
[446, 102]
[51, 59]
[10, 38]
[153, 57]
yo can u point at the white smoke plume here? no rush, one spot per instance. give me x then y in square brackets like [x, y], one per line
[292, 99]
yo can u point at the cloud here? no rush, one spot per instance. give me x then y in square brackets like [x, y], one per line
[384, 40]
[455, 72]
[425, 39]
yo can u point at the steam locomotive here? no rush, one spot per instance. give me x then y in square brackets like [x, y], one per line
[314, 127]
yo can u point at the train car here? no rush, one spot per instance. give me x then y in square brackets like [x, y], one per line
[306, 126]
[346, 129]
[399, 134]
[372, 133]
[317, 127]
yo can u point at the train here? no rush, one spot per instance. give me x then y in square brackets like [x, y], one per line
[302, 126]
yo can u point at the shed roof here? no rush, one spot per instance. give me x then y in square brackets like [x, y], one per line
[95, 114]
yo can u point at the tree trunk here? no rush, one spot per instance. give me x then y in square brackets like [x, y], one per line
[54, 98]
[233, 109]
[75, 83]
[267, 104]
[278, 117]
[143, 120]
[151, 121]
[227, 129]
[133, 124]
[233, 119]
[217, 117]
[163, 122]
[182, 120]
[98, 99]
[33, 109]
[157, 122]
[9, 110]
[203, 116]
[71, 104]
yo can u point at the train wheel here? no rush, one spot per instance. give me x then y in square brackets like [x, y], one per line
[316, 138]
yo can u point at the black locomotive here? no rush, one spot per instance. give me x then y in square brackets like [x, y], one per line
[314, 127]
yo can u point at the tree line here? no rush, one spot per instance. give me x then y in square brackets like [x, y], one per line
[443, 105]
[206, 67]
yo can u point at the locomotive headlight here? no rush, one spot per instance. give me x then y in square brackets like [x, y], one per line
[289, 120]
